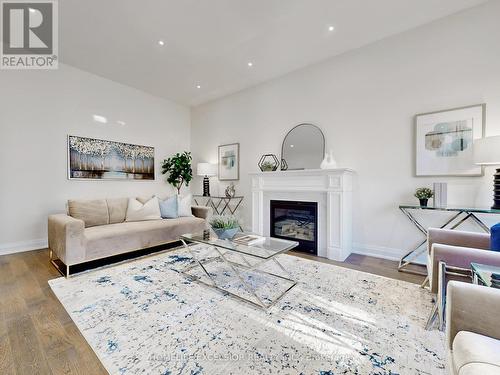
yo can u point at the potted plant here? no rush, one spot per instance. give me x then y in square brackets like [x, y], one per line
[179, 170]
[225, 227]
[423, 194]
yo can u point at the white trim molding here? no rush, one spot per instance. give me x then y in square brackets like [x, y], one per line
[19, 247]
[330, 188]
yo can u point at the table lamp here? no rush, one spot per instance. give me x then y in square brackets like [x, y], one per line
[487, 152]
[206, 170]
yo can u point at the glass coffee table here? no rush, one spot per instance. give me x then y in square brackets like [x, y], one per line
[244, 262]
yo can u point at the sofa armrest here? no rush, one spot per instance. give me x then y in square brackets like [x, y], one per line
[472, 308]
[458, 256]
[66, 238]
[200, 211]
[457, 238]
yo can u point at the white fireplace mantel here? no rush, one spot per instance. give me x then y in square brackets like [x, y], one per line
[330, 188]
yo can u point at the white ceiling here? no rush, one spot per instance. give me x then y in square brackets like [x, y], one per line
[210, 42]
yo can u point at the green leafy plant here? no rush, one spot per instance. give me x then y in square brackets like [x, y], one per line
[224, 222]
[267, 166]
[424, 193]
[179, 170]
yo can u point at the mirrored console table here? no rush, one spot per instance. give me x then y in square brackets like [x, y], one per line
[459, 216]
[221, 205]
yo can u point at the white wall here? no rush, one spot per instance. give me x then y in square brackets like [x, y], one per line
[365, 101]
[38, 109]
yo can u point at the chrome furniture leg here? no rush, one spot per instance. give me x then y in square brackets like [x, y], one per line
[235, 268]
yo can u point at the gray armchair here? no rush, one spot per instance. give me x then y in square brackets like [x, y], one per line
[450, 254]
[473, 329]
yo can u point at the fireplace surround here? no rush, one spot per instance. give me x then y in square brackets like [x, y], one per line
[330, 189]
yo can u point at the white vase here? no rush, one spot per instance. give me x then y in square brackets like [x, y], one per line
[328, 162]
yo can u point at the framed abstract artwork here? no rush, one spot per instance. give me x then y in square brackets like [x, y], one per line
[97, 159]
[444, 141]
[229, 162]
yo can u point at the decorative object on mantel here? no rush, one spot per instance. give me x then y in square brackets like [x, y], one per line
[328, 162]
[230, 191]
[229, 162]
[268, 163]
[423, 195]
[303, 147]
[284, 165]
[207, 170]
[440, 194]
[179, 170]
[487, 152]
[96, 159]
[225, 227]
[444, 141]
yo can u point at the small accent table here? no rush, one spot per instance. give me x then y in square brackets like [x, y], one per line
[481, 274]
[219, 204]
[227, 250]
[459, 213]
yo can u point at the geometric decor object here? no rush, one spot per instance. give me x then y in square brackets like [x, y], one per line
[268, 163]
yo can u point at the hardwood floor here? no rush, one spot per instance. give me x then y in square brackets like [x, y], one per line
[37, 336]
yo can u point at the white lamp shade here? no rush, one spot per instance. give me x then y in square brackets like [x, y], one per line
[206, 169]
[487, 151]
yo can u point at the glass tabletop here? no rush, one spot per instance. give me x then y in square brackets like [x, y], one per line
[451, 208]
[484, 272]
[266, 249]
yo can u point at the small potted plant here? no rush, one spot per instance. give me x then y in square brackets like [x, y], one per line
[423, 194]
[225, 227]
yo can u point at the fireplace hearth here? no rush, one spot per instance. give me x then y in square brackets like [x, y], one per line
[296, 221]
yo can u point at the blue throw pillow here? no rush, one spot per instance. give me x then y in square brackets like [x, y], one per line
[495, 237]
[168, 208]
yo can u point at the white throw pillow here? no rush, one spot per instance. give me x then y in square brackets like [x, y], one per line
[136, 211]
[184, 205]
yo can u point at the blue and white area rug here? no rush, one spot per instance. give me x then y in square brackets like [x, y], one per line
[145, 317]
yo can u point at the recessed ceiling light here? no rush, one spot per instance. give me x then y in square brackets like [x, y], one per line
[101, 119]
[250, 64]
[331, 28]
[198, 86]
[161, 42]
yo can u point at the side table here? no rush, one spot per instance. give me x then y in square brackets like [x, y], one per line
[220, 204]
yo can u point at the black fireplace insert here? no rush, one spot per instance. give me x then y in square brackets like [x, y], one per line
[296, 221]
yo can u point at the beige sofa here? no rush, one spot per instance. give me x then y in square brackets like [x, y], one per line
[473, 329]
[97, 229]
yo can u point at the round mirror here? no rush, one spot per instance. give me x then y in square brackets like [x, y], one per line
[303, 147]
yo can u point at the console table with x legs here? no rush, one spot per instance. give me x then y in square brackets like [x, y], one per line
[220, 205]
[459, 216]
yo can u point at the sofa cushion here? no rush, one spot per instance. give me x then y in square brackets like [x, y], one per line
[107, 240]
[117, 208]
[471, 349]
[495, 237]
[184, 205]
[136, 211]
[168, 208]
[92, 212]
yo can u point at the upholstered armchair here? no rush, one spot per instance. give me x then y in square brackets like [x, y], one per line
[457, 250]
[472, 329]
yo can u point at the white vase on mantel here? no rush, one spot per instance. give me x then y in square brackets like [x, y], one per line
[328, 162]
